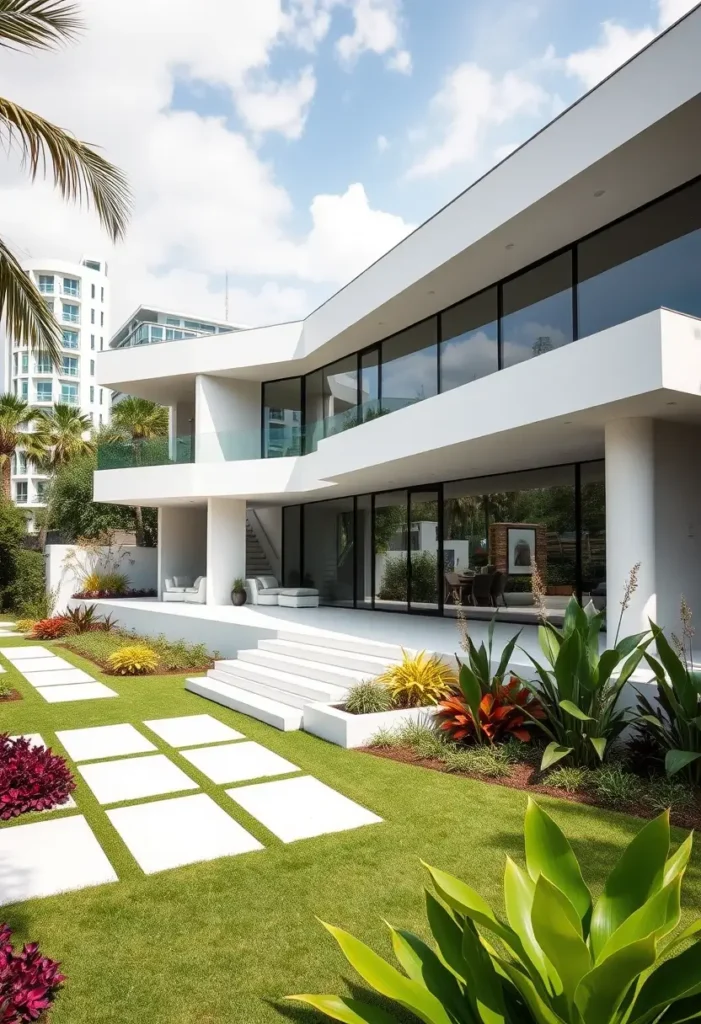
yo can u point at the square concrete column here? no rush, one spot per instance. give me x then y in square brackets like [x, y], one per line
[630, 523]
[226, 547]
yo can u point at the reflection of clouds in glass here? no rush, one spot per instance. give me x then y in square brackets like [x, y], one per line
[468, 357]
[411, 376]
[526, 334]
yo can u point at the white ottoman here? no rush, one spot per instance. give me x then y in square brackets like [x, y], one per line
[298, 597]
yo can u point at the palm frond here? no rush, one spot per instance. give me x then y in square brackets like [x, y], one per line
[37, 24]
[28, 319]
[80, 173]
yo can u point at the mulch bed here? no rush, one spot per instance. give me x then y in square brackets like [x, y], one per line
[105, 668]
[525, 777]
[12, 695]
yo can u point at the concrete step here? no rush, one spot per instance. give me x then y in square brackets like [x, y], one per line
[284, 682]
[355, 645]
[272, 712]
[261, 687]
[344, 677]
[367, 663]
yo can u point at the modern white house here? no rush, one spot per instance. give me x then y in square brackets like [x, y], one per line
[79, 296]
[517, 382]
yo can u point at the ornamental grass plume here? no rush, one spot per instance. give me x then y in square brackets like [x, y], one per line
[631, 586]
[538, 588]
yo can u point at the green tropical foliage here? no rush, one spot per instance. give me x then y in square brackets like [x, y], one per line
[137, 421]
[578, 689]
[675, 722]
[555, 957]
[65, 434]
[79, 172]
[16, 419]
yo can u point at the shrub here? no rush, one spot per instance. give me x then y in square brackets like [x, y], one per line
[577, 690]
[384, 739]
[133, 660]
[418, 681]
[29, 588]
[29, 982]
[424, 579]
[487, 762]
[506, 713]
[50, 629]
[24, 625]
[368, 698]
[106, 582]
[13, 530]
[566, 959]
[31, 778]
[82, 619]
[675, 723]
[661, 793]
[5, 687]
[99, 645]
[615, 786]
[572, 780]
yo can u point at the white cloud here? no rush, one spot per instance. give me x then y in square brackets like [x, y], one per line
[618, 43]
[470, 102]
[376, 28]
[382, 143]
[205, 200]
[279, 106]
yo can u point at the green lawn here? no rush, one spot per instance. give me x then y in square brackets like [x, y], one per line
[225, 940]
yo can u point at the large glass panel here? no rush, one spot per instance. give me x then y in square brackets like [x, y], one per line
[423, 550]
[409, 368]
[593, 490]
[341, 395]
[329, 538]
[649, 260]
[537, 310]
[391, 550]
[291, 552]
[469, 340]
[363, 551]
[369, 384]
[282, 417]
[314, 410]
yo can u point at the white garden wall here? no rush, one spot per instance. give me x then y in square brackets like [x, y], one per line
[67, 564]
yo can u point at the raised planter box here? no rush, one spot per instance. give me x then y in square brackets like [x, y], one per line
[337, 726]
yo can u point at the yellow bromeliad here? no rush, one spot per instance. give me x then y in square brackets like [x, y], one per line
[419, 680]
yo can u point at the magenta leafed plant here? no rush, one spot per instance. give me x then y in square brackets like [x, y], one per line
[29, 981]
[31, 779]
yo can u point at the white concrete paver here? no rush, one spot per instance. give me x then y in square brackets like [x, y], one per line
[301, 808]
[34, 738]
[104, 741]
[75, 691]
[63, 677]
[135, 778]
[237, 762]
[49, 857]
[21, 653]
[192, 730]
[44, 665]
[184, 830]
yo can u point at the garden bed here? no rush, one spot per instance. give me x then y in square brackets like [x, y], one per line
[332, 723]
[652, 796]
[174, 657]
[12, 695]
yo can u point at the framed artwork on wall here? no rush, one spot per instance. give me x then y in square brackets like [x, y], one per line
[521, 549]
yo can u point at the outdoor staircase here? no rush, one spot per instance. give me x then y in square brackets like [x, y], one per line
[275, 680]
[257, 563]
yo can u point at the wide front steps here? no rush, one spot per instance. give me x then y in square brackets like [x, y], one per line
[274, 681]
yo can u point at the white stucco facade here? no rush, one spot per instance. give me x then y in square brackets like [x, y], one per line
[595, 349]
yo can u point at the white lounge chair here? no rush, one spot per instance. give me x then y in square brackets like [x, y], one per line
[184, 588]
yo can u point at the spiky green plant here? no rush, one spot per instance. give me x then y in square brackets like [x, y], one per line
[562, 958]
[368, 697]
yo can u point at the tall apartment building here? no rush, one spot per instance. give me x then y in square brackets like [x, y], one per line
[78, 295]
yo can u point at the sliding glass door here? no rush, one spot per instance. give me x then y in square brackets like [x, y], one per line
[424, 551]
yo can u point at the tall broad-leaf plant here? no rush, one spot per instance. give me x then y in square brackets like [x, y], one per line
[580, 686]
[556, 956]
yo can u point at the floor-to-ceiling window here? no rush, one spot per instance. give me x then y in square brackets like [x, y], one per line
[473, 542]
[282, 417]
[391, 551]
[537, 310]
[369, 384]
[329, 550]
[409, 368]
[468, 347]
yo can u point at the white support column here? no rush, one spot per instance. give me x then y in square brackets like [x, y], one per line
[226, 547]
[630, 522]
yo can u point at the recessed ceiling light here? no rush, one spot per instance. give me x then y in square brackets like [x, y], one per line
[671, 403]
[380, 323]
[567, 421]
[431, 292]
[510, 245]
[599, 193]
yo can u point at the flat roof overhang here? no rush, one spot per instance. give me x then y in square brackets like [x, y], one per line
[631, 139]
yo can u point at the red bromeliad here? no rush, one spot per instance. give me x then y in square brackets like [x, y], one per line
[29, 981]
[31, 779]
[508, 712]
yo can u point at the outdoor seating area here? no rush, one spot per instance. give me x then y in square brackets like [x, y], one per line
[184, 588]
[265, 590]
[480, 589]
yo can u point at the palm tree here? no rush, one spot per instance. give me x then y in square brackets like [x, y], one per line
[16, 417]
[79, 172]
[138, 420]
[63, 433]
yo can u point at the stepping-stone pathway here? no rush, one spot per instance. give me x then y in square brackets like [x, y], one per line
[119, 763]
[8, 629]
[56, 679]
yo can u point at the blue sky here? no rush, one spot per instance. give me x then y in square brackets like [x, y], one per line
[292, 142]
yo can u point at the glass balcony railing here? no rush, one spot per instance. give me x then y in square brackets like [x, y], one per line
[279, 441]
